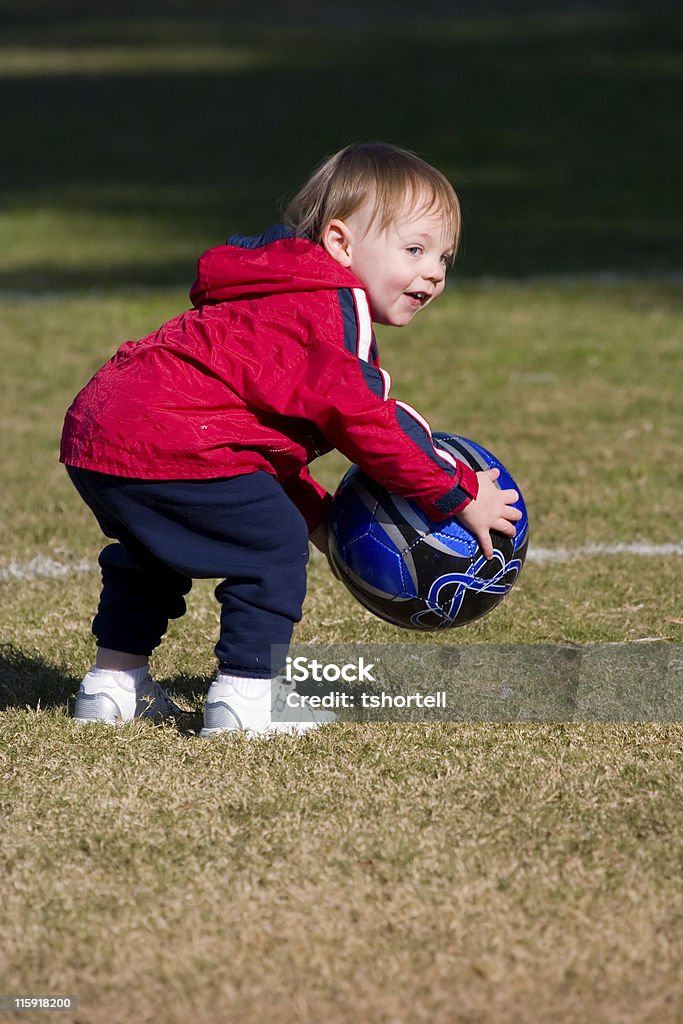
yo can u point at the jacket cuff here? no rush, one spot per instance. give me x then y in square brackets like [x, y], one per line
[461, 494]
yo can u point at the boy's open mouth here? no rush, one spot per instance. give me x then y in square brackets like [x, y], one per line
[419, 297]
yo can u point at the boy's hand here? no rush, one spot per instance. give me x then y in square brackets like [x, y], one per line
[490, 510]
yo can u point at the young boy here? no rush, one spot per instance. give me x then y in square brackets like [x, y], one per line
[191, 446]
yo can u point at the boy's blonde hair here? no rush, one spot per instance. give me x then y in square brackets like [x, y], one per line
[394, 176]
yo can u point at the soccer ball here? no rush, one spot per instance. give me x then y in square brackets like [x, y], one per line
[414, 572]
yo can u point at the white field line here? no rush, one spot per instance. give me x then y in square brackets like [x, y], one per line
[641, 550]
[42, 567]
[46, 567]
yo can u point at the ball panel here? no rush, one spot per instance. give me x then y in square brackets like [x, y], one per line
[378, 565]
[413, 572]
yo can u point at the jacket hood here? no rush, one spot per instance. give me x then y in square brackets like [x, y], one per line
[274, 262]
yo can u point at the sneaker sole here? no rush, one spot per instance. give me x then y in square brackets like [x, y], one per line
[96, 707]
[100, 707]
[285, 729]
[223, 718]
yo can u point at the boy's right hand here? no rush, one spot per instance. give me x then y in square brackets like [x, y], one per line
[492, 509]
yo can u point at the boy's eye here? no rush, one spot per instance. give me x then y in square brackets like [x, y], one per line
[414, 250]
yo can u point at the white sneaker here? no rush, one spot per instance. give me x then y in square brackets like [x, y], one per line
[264, 712]
[102, 698]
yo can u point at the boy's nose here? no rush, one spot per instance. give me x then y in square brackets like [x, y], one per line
[436, 273]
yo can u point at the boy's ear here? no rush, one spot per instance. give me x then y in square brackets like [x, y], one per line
[336, 241]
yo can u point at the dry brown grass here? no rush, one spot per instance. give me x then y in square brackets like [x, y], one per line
[374, 873]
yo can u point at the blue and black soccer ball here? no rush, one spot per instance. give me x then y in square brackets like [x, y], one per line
[414, 572]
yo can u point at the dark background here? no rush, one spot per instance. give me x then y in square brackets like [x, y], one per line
[559, 124]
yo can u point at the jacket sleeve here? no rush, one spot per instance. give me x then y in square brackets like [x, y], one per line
[342, 390]
[389, 439]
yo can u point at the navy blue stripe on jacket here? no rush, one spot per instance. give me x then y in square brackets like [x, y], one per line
[355, 338]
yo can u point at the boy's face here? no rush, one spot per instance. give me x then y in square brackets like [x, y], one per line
[403, 267]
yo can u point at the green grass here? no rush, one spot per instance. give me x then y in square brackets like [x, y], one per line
[455, 873]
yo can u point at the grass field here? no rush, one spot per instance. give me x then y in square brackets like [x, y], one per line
[525, 872]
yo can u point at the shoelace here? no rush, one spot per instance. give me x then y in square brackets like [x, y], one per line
[159, 696]
[160, 693]
[159, 699]
[279, 702]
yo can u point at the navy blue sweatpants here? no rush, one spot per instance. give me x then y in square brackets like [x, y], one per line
[243, 530]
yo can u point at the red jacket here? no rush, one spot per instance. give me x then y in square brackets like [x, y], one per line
[275, 364]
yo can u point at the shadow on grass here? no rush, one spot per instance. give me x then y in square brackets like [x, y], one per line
[558, 128]
[29, 682]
